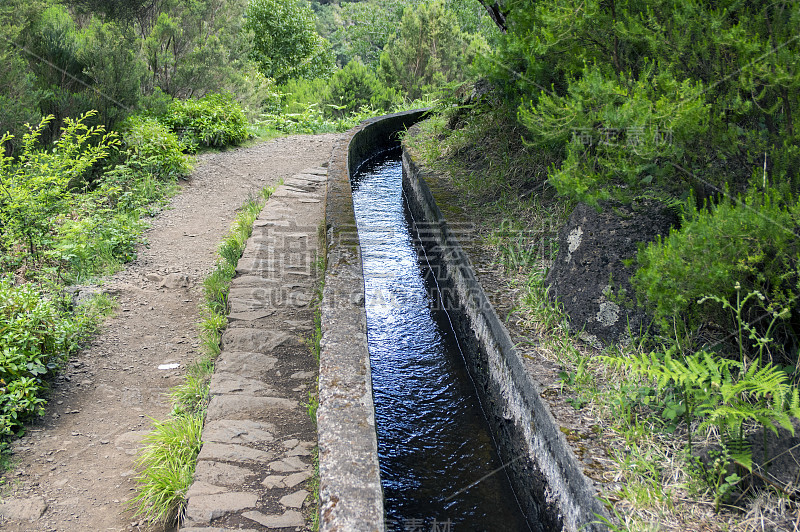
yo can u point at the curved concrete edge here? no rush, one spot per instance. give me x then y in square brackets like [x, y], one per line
[526, 427]
[351, 497]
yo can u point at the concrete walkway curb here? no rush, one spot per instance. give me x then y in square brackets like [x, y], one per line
[258, 440]
[351, 496]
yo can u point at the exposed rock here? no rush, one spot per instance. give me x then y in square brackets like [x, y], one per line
[221, 474]
[231, 453]
[590, 277]
[242, 431]
[176, 280]
[29, 509]
[294, 500]
[204, 508]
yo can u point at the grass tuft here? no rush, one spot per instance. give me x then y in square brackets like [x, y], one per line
[167, 463]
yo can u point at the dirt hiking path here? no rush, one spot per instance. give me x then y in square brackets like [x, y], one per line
[74, 470]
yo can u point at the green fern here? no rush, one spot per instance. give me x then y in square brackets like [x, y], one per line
[719, 391]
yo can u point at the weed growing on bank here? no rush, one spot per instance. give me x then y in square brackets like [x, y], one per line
[64, 221]
[168, 459]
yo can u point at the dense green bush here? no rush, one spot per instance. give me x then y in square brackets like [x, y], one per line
[297, 95]
[215, 120]
[603, 83]
[427, 52]
[682, 101]
[58, 225]
[356, 86]
[154, 148]
[36, 336]
[749, 245]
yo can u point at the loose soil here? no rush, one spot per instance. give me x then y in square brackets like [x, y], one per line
[75, 467]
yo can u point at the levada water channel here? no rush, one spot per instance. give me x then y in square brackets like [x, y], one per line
[438, 461]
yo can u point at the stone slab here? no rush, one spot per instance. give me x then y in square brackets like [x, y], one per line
[226, 382]
[221, 474]
[251, 315]
[289, 465]
[245, 364]
[296, 478]
[215, 529]
[289, 518]
[248, 407]
[294, 500]
[199, 488]
[237, 431]
[19, 509]
[256, 340]
[229, 452]
[203, 509]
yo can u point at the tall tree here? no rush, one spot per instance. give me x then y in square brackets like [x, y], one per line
[427, 51]
[285, 41]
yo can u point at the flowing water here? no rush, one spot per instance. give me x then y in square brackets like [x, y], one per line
[434, 444]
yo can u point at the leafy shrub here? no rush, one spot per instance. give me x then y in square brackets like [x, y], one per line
[112, 69]
[37, 183]
[427, 51]
[36, 336]
[154, 148]
[750, 243]
[96, 242]
[646, 125]
[299, 94]
[215, 120]
[356, 86]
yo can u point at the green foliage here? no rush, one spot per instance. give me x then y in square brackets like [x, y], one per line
[35, 187]
[215, 120]
[427, 51]
[193, 48]
[297, 95]
[55, 39]
[19, 97]
[167, 463]
[285, 42]
[112, 68]
[746, 244]
[719, 392]
[722, 393]
[36, 336]
[367, 27]
[361, 30]
[356, 86]
[154, 148]
[711, 78]
[647, 125]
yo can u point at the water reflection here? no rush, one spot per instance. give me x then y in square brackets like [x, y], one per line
[432, 436]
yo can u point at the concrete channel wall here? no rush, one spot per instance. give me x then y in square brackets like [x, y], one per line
[548, 481]
[351, 497]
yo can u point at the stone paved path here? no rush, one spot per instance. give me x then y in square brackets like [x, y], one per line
[256, 461]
